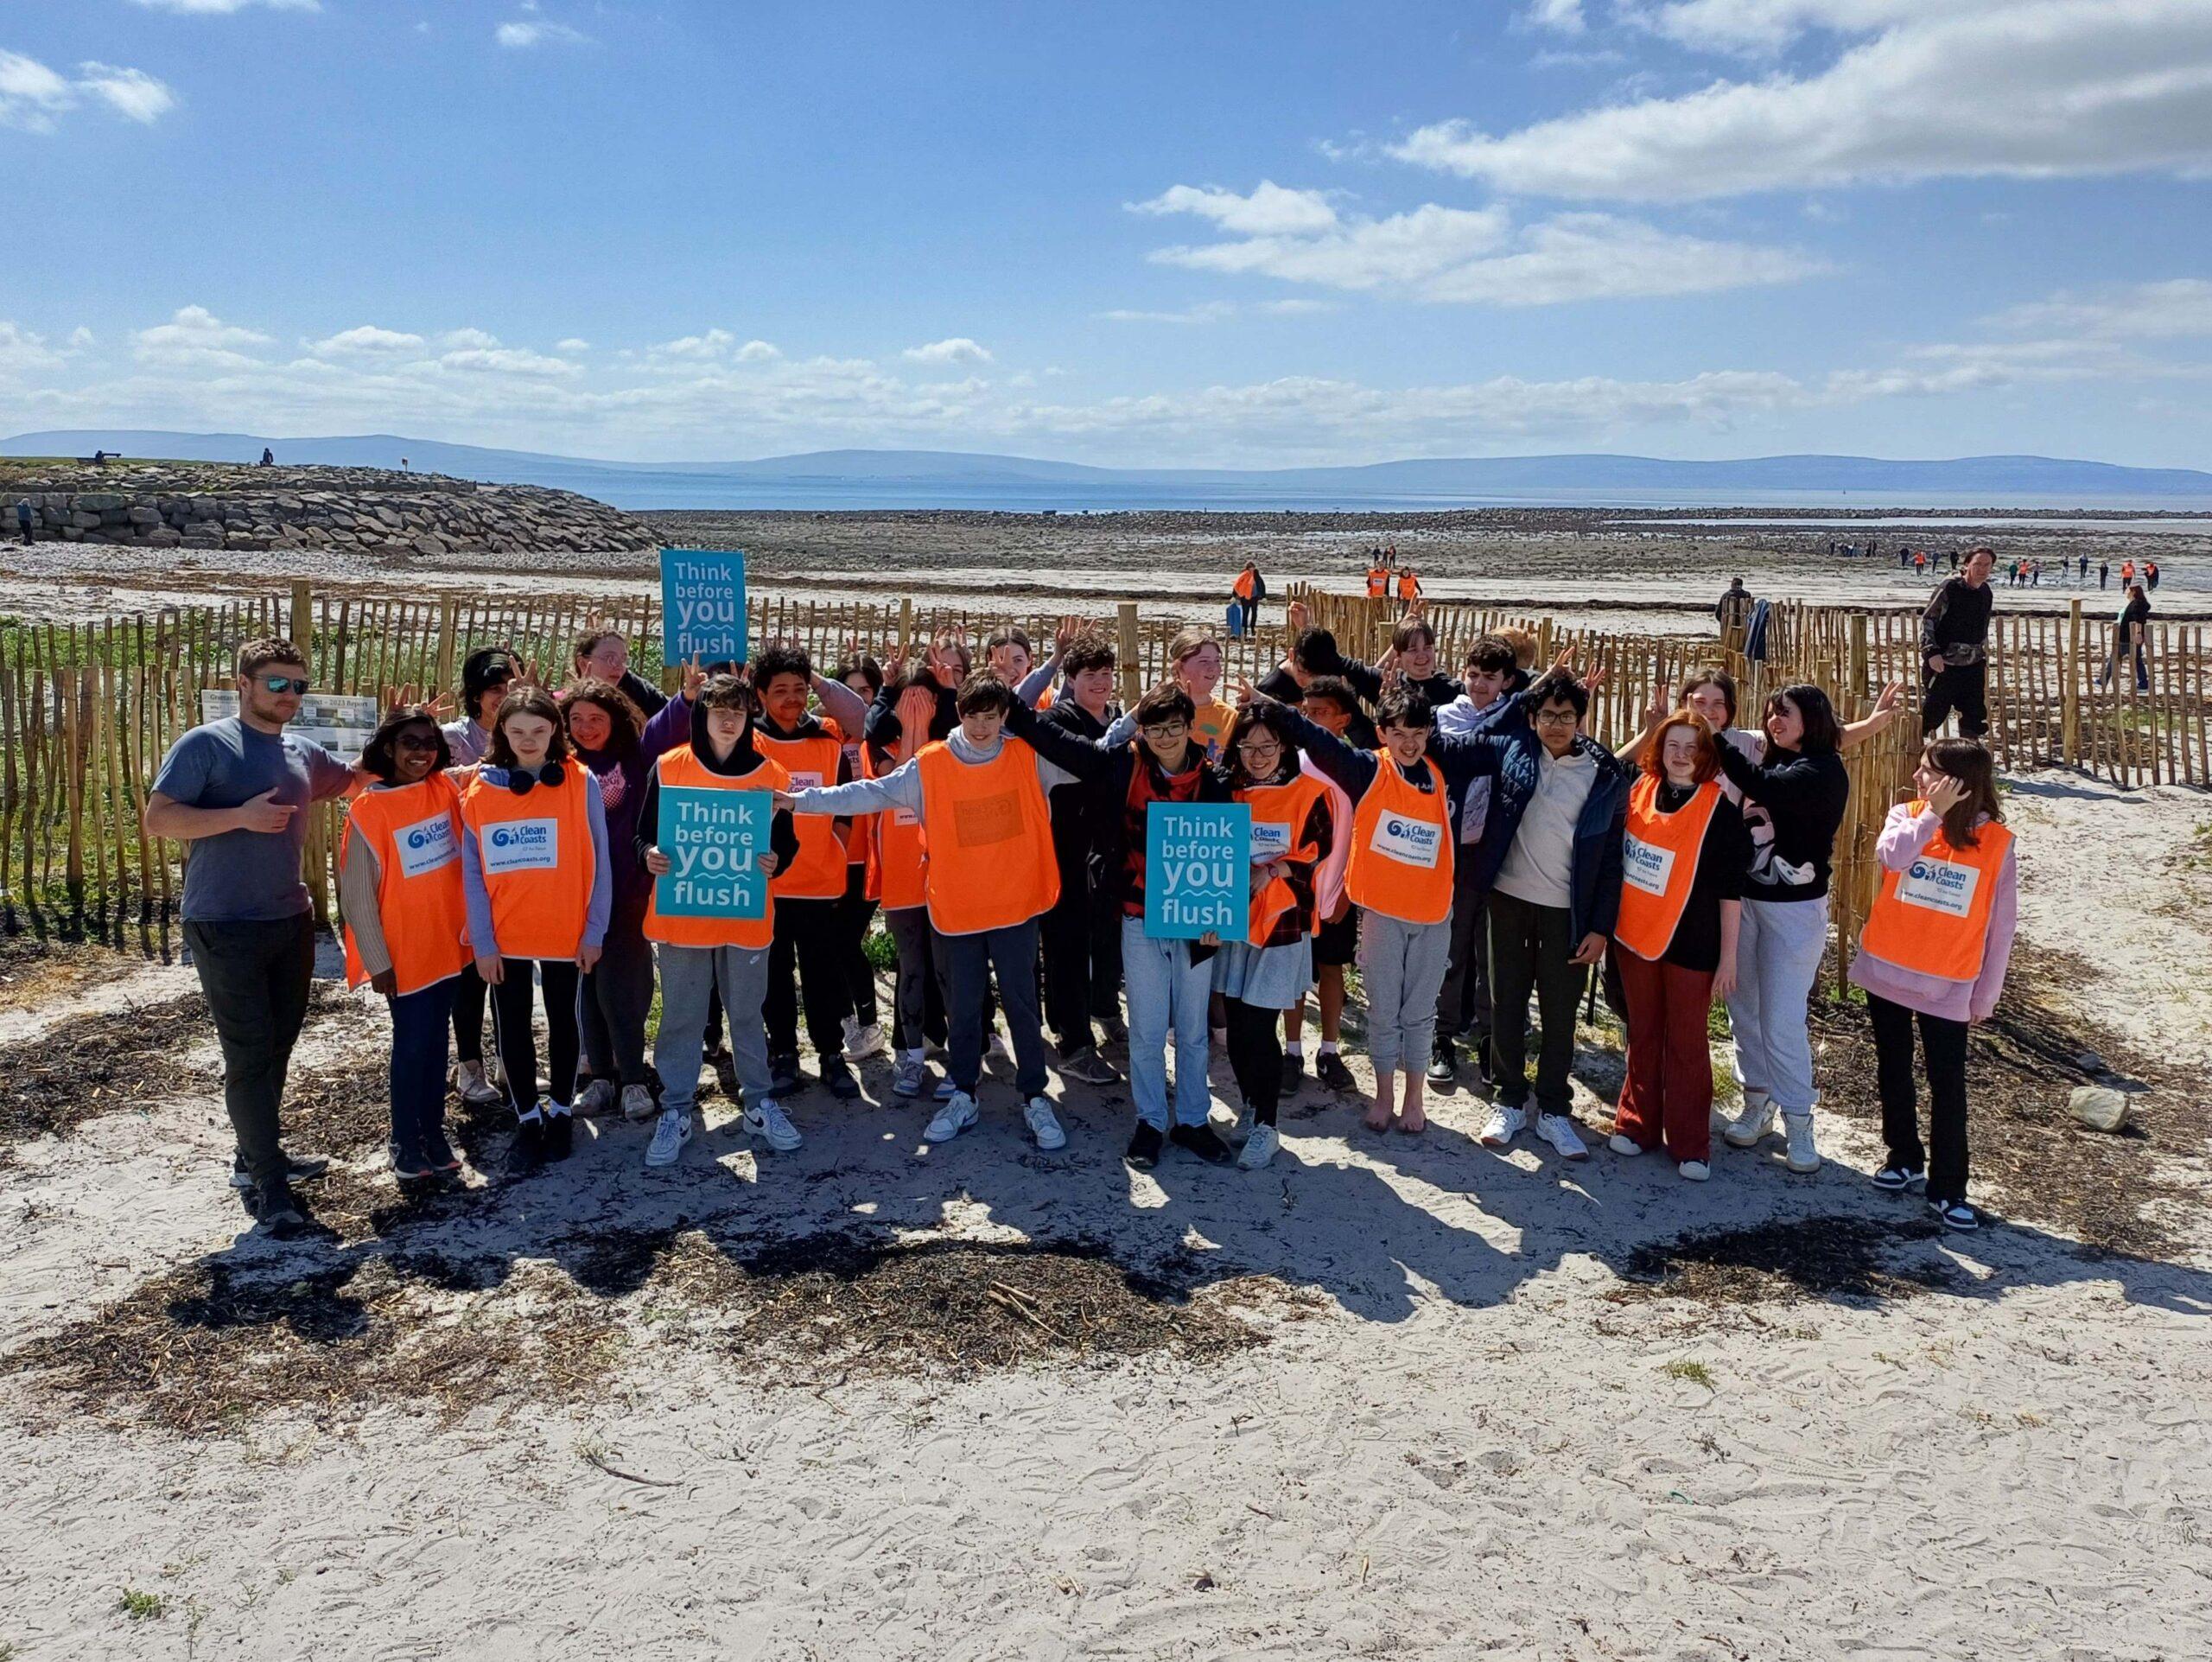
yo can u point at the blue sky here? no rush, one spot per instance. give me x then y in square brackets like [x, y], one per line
[1213, 234]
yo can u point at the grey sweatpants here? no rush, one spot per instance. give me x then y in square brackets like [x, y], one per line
[1778, 955]
[1401, 967]
[688, 975]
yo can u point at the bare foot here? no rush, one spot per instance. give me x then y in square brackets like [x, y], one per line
[1377, 1119]
[1413, 1122]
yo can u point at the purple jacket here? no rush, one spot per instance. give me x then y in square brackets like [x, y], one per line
[622, 788]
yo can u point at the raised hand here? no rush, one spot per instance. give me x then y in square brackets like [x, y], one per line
[1661, 706]
[1064, 637]
[1296, 616]
[1947, 793]
[694, 677]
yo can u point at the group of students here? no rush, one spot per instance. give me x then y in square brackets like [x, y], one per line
[1462, 840]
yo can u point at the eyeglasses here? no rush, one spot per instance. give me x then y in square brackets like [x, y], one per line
[286, 683]
[1165, 729]
[417, 741]
[1259, 748]
[1556, 718]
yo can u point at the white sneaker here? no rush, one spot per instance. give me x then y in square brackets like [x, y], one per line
[636, 1102]
[1694, 1171]
[862, 1042]
[668, 1138]
[598, 1097]
[1755, 1121]
[1559, 1130]
[1801, 1155]
[1627, 1146]
[1045, 1124]
[956, 1117]
[476, 1091]
[1258, 1148]
[1502, 1126]
[768, 1121]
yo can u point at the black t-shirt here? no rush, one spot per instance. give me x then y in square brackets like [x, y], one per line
[1958, 615]
[1793, 806]
[1720, 862]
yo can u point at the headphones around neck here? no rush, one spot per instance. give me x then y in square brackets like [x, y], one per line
[520, 782]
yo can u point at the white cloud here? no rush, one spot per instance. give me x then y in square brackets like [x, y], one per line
[1295, 307]
[366, 339]
[22, 350]
[1270, 210]
[462, 338]
[34, 97]
[521, 37]
[506, 360]
[955, 349]
[82, 339]
[2069, 88]
[2179, 307]
[715, 345]
[1476, 256]
[572, 344]
[1207, 311]
[1563, 15]
[223, 7]
[194, 336]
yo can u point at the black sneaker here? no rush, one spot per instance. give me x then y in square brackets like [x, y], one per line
[783, 1076]
[296, 1171]
[1145, 1144]
[439, 1152]
[1955, 1214]
[1115, 1029]
[1898, 1179]
[1293, 1074]
[1333, 1073]
[527, 1152]
[1443, 1063]
[1087, 1066]
[280, 1215]
[1201, 1140]
[409, 1164]
[839, 1078]
[560, 1135]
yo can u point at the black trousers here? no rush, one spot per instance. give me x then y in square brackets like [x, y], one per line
[1962, 687]
[1943, 1051]
[1463, 1002]
[855, 912]
[618, 996]
[511, 1030]
[255, 976]
[1083, 954]
[806, 942]
[1255, 1056]
[468, 1015]
[1530, 947]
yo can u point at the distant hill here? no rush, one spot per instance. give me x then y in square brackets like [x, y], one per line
[1968, 480]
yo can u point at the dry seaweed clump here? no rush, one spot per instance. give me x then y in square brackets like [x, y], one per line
[210, 1347]
[1789, 1260]
[99, 1063]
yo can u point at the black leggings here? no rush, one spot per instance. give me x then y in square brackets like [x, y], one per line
[468, 1015]
[855, 912]
[1256, 1057]
[518, 1045]
[1943, 1049]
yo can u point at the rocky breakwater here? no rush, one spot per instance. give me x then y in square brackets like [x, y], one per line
[365, 509]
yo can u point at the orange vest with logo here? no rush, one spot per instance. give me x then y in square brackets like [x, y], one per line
[683, 769]
[989, 839]
[1379, 583]
[898, 865]
[1401, 847]
[536, 853]
[860, 834]
[1932, 917]
[1279, 817]
[817, 871]
[1659, 856]
[1243, 585]
[414, 831]
[1408, 586]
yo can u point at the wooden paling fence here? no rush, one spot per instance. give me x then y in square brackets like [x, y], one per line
[88, 710]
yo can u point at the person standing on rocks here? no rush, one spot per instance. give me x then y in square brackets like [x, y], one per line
[237, 790]
[24, 521]
[1954, 648]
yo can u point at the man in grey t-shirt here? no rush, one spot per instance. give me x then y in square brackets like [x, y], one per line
[237, 791]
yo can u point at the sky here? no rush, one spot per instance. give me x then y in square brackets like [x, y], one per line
[1174, 234]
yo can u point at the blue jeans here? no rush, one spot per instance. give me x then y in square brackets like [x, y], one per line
[418, 1063]
[1167, 993]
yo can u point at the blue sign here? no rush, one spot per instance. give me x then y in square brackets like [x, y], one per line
[703, 605]
[1197, 870]
[714, 839]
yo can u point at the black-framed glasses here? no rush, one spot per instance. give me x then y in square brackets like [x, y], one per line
[298, 683]
[1259, 748]
[416, 742]
[1165, 729]
[1556, 718]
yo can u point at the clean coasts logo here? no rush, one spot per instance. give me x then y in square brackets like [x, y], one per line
[1415, 842]
[1646, 866]
[522, 846]
[1939, 885]
[427, 845]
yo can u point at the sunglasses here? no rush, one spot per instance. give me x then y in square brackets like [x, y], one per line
[416, 742]
[286, 683]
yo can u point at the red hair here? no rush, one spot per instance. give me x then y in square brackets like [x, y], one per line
[1708, 754]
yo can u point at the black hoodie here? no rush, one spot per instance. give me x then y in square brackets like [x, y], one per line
[783, 835]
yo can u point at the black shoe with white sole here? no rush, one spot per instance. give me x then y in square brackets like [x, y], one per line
[1202, 1141]
[1898, 1179]
[1443, 1063]
[295, 1171]
[1145, 1144]
[278, 1213]
[1333, 1073]
[1955, 1214]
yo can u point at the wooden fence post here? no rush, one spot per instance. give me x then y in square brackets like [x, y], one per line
[905, 623]
[1857, 689]
[448, 634]
[303, 617]
[1132, 674]
[2070, 686]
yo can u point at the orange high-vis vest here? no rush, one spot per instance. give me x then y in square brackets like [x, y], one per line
[1378, 583]
[860, 833]
[1932, 917]
[414, 831]
[1659, 856]
[1408, 586]
[898, 865]
[1245, 584]
[817, 871]
[1401, 847]
[682, 768]
[1279, 817]
[536, 853]
[989, 839]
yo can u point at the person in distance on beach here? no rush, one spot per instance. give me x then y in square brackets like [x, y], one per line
[1936, 945]
[979, 796]
[534, 859]
[406, 923]
[699, 957]
[1953, 645]
[238, 790]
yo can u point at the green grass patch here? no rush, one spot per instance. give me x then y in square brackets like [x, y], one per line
[1696, 1372]
[142, 1607]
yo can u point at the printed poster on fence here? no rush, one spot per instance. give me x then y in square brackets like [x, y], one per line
[703, 605]
[1197, 870]
[714, 839]
[341, 722]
